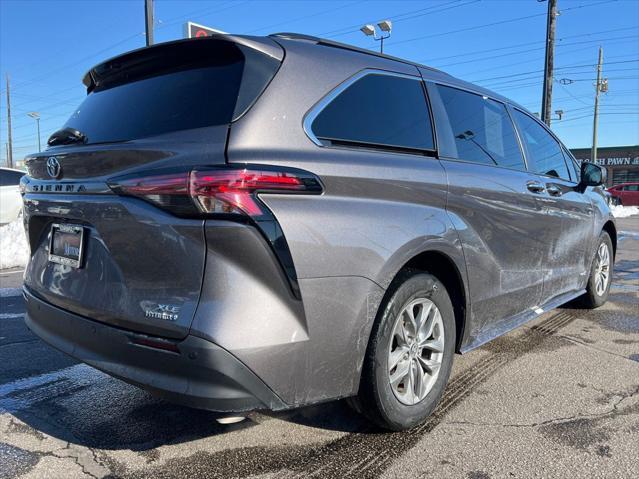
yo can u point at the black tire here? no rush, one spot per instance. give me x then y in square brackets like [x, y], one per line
[591, 299]
[376, 400]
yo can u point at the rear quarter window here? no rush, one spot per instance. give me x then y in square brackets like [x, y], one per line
[378, 110]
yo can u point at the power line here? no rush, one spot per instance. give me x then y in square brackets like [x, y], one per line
[610, 93]
[571, 73]
[82, 60]
[492, 24]
[304, 17]
[536, 60]
[573, 96]
[395, 18]
[609, 78]
[601, 32]
[517, 52]
[209, 11]
[99, 52]
[558, 68]
[604, 113]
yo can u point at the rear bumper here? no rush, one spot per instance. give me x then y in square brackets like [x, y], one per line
[202, 375]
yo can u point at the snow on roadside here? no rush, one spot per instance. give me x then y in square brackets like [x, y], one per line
[14, 250]
[619, 211]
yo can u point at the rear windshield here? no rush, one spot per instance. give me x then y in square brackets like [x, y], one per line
[178, 87]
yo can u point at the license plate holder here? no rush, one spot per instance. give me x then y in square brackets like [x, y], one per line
[66, 245]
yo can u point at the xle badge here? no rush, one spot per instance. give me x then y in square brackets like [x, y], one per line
[167, 312]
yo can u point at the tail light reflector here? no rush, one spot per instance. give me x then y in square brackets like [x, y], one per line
[233, 191]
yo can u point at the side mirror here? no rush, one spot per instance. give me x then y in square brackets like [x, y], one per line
[592, 175]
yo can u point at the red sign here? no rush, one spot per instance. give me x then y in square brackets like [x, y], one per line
[193, 30]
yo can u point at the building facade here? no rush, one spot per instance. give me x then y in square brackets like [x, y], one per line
[622, 162]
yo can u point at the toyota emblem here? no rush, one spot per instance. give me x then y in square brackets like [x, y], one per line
[53, 167]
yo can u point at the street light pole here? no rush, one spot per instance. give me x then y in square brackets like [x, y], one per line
[385, 26]
[38, 126]
[36, 116]
[9, 132]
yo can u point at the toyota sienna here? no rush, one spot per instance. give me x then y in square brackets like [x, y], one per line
[238, 223]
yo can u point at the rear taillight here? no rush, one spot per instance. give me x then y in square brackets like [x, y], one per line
[215, 190]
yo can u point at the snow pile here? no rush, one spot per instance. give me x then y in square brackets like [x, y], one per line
[619, 211]
[14, 250]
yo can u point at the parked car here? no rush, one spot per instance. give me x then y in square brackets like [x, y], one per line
[626, 194]
[10, 199]
[611, 200]
[240, 223]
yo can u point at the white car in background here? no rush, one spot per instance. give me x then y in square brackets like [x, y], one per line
[10, 199]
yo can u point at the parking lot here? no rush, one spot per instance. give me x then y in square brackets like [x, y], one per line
[558, 397]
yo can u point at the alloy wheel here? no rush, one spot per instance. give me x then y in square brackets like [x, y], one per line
[602, 269]
[416, 351]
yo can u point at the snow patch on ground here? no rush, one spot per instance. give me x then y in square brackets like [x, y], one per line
[619, 211]
[14, 250]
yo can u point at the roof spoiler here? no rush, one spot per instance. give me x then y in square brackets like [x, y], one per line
[263, 45]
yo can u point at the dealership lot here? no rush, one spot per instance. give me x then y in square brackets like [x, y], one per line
[557, 397]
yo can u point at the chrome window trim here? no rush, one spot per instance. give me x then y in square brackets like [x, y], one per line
[310, 116]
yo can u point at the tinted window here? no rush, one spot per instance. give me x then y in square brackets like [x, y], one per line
[189, 86]
[378, 109]
[543, 152]
[10, 177]
[631, 188]
[482, 129]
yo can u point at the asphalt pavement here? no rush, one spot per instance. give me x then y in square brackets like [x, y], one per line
[559, 397]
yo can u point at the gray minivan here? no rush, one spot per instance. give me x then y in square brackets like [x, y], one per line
[239, 223]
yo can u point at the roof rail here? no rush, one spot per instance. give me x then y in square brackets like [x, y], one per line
[346, 46]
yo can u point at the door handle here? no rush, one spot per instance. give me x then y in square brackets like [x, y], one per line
[535, 187]
[553, 190]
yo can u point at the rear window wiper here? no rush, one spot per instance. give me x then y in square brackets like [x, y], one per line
[67, 136]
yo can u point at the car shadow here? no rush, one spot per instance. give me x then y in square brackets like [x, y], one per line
[143, 424]
[53, 394]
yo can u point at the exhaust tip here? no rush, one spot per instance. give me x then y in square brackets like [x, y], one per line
[230, 419]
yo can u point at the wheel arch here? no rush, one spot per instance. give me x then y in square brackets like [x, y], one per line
[446, 270]
[610, 228]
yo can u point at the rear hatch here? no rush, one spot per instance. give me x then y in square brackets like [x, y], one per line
[136, 261]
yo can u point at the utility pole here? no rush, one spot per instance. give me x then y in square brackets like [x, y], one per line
[10, 144]
[546, 99]
[598, 88]
[148, 21]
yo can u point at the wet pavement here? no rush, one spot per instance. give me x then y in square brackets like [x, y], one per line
[558, 397]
